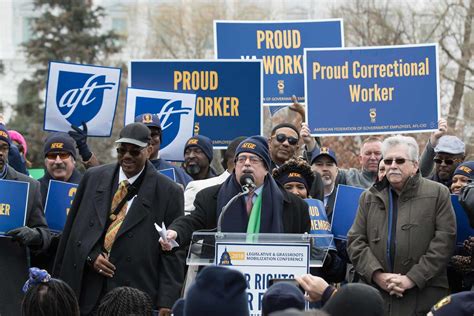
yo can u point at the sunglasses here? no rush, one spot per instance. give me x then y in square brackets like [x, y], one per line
[446, 161]
[398, 161]
[134, 152]
[62, 156]
[282, 137]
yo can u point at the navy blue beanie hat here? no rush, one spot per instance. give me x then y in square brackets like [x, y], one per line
[257, 145]
[355, 299]
[59, 142]
[4, 134]
[461, 304]
[465, 169]
[202, 142]
[281, 296]
[217, 291]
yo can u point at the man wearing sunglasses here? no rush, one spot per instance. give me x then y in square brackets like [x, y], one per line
[110, 240]
[33, 236]
[445, 152]
[60, 162]
[283, 143]
[404, 233]
[152, 121]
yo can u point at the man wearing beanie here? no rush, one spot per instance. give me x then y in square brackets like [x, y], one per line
[217, 291]
[266, 209]
[110, 240]
[152, 121]
[281, 296]
[60, 163]
[35, 235]
[197, 158]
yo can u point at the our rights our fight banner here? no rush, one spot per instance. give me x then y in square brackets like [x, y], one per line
[58, 203]
[78, 93]
[229, 93]
[372, 90]
[13, 204]
[176, 112]
[279, 44]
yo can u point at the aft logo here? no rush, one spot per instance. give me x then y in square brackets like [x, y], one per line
[176, 113]
[80, 93]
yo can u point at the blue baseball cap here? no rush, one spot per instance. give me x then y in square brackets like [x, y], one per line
[149, 119]
[323, 151]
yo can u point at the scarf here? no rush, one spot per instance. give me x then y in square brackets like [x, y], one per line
[236, 218]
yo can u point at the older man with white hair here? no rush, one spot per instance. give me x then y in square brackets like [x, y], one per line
[404, 233]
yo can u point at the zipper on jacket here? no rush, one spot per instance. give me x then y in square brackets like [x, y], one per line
[390, 218]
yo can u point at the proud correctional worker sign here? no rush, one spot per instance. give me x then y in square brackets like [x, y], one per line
[372, 90]
[280, 45]
[229, 93]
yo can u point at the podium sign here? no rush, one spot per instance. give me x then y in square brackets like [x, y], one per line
[261, 262]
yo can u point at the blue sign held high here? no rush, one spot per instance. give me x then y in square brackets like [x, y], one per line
[372, 90]
[81, 93]
[13, 203]
[58, 203]
[228, 93]
[280, 45]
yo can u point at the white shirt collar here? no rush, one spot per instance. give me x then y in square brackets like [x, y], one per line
[122, 176]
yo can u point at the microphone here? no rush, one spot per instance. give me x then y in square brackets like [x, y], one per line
[247, 181]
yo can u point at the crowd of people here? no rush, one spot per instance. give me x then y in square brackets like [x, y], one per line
[400, 257]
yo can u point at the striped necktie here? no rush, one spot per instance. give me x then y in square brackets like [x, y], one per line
[118, 219]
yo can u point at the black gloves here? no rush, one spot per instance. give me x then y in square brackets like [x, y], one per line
[26, 236]
[80, 136]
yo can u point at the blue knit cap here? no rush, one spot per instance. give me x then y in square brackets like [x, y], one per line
[202, 142]
[217, 291]
[465, 169]
[4, 134]
[257, 145]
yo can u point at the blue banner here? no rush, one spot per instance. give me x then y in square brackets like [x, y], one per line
[319, 222]
[280, 45]
[170, 173]
[58, 203]
[464, 230]
[229, 93]
[345, 210]
[13, 203]
[372, 90]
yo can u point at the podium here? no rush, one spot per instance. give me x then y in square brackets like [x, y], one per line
[260, 257]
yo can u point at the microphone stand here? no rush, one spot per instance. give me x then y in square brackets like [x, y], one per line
[219, 233]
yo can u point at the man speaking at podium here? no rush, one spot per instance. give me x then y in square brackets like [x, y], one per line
[267, 208]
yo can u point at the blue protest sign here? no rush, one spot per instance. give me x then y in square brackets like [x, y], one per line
[319, 222]
[13, 203]
[280, 45]
[58, 203]
[176, 112]
[372, 90]
[229, 93]
[81, 93]
[462, 222]
[345, 210]
[170, 173]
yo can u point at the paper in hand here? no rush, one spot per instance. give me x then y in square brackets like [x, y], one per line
[162, 231]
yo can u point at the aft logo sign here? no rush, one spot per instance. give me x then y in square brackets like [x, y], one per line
[176, 113]
[80, 93]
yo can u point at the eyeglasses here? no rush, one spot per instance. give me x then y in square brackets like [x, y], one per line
[253, 159]
[398, 161]
[446, 161]
[282, 137]
[62, 156]
[134, 152]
